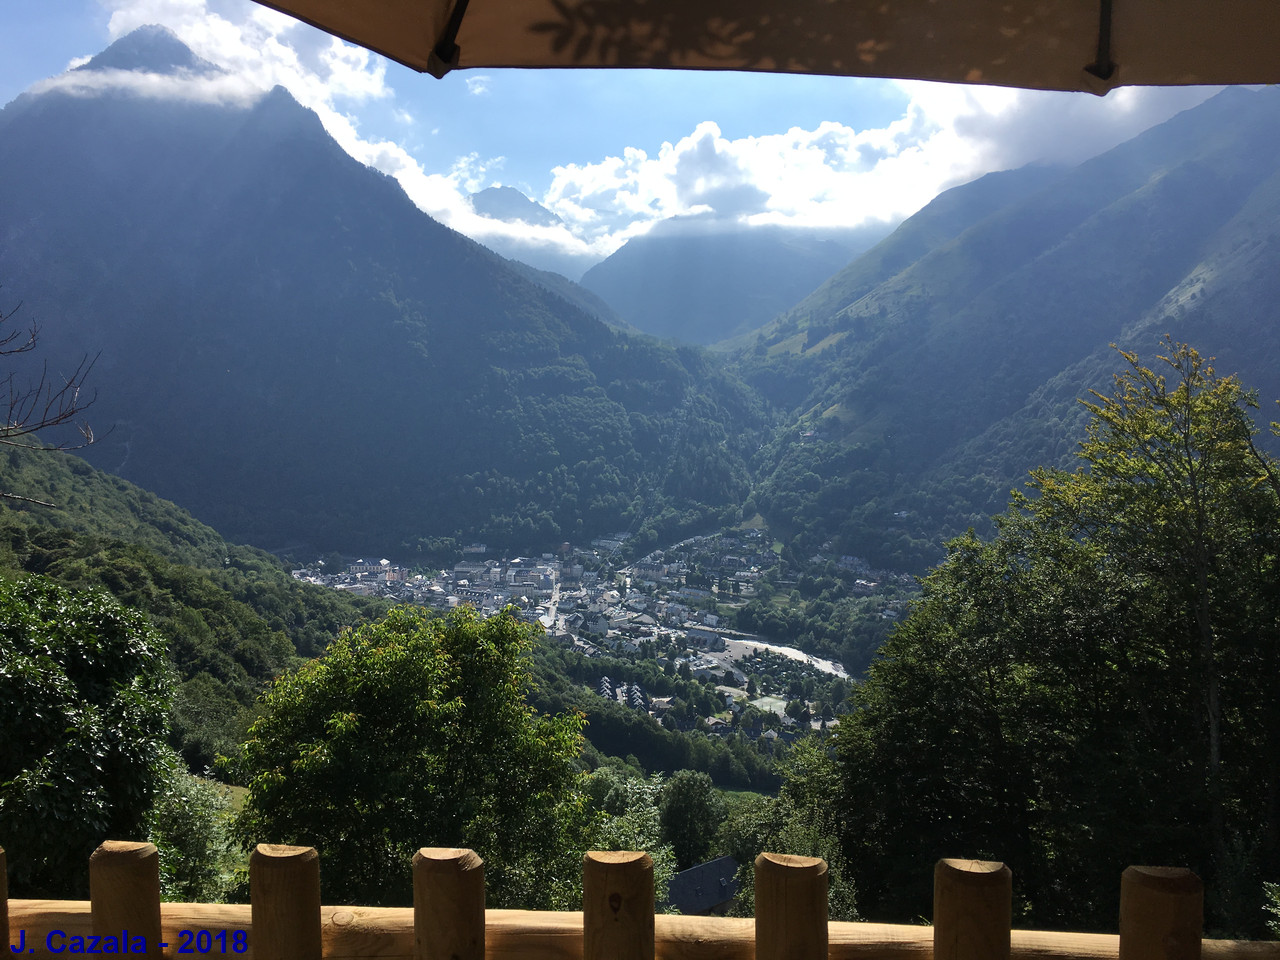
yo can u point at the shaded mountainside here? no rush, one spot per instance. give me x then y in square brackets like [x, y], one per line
[928, 377]
[295, 353]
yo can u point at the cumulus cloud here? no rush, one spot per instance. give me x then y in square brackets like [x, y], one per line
[260, 48]
[840, 175]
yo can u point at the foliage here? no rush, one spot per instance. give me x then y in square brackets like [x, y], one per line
[620, 731]
[628, 817]
[415, 732]
[84, 697]
[691, 810]
[190, 823]
[1094, 684]
[232, 617]
[1271, 891]
[801, 821]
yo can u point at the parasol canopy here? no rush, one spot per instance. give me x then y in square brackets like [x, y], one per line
[1091, 45]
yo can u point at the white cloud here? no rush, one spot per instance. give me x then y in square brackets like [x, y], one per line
[478, 85]
[222, 89]
[836, 174]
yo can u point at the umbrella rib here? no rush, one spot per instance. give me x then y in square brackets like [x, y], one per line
[1104, 66]
[444, 57]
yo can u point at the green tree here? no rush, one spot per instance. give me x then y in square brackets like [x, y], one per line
[801, 820]
[691, 811]
[626, 816]
[415, 732]
[84, 702]
[1093, 685]
[190, 823]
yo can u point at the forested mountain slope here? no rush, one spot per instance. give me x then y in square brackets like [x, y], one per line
[702, 281]
[294, 352]
[922, 389]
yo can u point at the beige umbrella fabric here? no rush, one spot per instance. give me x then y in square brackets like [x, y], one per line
[1091, 45]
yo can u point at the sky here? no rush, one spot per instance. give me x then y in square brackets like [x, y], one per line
[611, 153]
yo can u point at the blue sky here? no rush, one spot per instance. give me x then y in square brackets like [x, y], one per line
[611, 152]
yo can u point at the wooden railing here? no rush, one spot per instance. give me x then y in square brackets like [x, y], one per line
[1160, 914]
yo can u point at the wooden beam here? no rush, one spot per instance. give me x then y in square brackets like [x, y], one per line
[349, 933]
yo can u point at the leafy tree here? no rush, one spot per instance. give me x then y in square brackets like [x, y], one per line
[84, 699]
[190, 823]
[1093, 686]
[415, 732]
[691, 812]
[627, 816]
[801, 820]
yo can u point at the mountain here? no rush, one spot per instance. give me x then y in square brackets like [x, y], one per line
[702, 281]
[292, 351]
[928, 376]
[510, 205]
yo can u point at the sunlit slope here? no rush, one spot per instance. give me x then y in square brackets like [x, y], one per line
[915, 402]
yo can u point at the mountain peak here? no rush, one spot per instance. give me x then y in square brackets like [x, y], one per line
[151, 49]
[509, 204]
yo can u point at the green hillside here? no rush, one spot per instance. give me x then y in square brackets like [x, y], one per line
[232, 616]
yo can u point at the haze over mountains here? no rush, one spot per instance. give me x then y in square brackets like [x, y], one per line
[293, 351]
[702, 281]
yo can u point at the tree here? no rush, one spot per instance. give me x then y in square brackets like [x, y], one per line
[42, 402]
[1094, 685]
[84, 703]
[415, 732]
[190, 823]
[800, 820]
[691, 811]
[626, 816]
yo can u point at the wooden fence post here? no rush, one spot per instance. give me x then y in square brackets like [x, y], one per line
[4, 901]
[791, 907]
[284, 899]
[617, 905]
[972, 910]
[124, 895]
[1161, 914]
[448, 904]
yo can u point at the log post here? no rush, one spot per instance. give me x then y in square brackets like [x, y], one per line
[124, 895]
[4, 901]
[448, 904]
[617, 905]
[284, 898]
[1161, 914]
[972, 910]
[791, 907]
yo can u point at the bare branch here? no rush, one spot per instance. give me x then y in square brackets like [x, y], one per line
[50, 401]
[14, 496]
